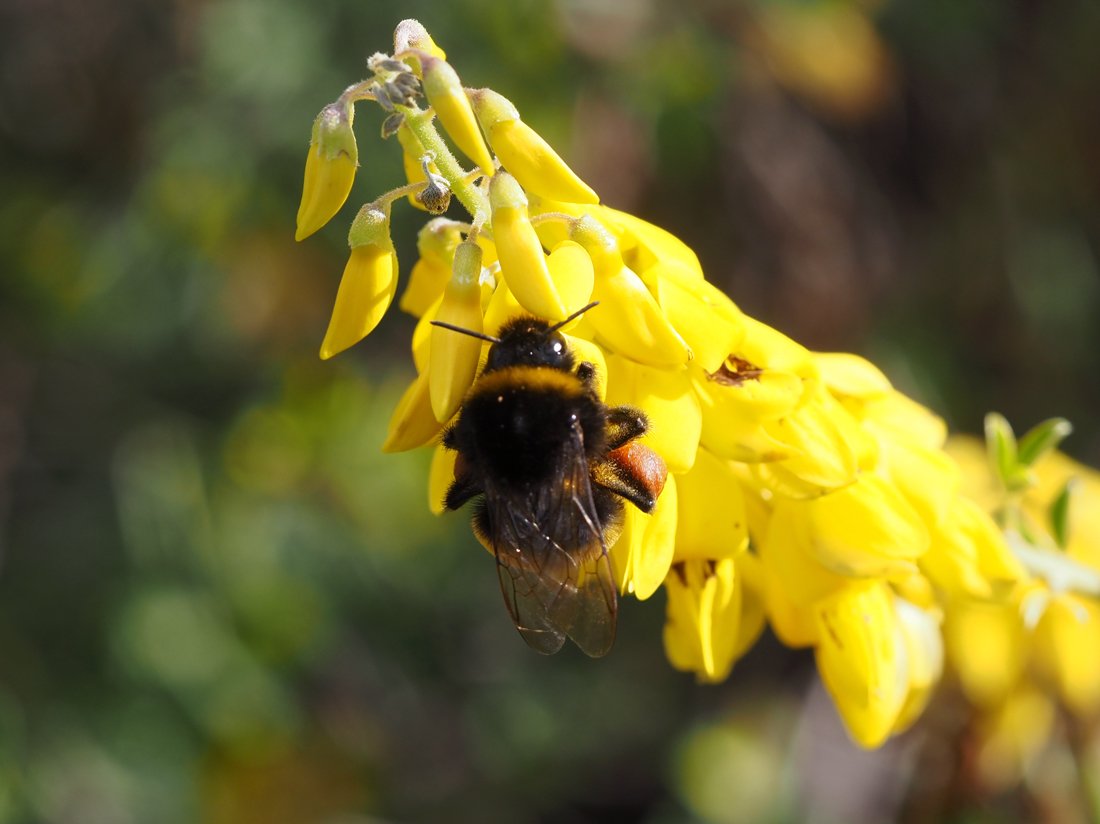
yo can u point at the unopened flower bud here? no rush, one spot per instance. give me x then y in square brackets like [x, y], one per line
[444, 91]
[411, 34]
[368, 284]
[330, 168]
[436, 196]
[454, 356]
[524, 153]
[522, 261]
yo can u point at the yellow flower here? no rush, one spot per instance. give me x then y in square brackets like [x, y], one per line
[330, 168]
[368, 284]
[524, 153]
[412, 424]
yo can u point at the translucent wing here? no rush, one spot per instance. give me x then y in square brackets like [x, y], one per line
[552, 560]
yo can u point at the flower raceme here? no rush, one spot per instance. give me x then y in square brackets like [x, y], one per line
[804, 491]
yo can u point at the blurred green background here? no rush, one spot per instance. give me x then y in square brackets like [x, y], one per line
[219, 602]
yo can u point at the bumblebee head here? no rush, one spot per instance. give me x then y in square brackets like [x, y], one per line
[529, 342]
[526, 341]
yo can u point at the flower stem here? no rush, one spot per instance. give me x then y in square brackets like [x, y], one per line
[422, 125]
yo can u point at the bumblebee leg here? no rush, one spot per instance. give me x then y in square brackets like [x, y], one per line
[463, 489]
[624, 424]
[620, 479]
[587, 373]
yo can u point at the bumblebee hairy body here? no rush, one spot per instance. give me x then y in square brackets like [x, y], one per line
[550, 466]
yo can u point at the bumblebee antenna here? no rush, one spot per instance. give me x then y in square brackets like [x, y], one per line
[469, 332]
[575, 315]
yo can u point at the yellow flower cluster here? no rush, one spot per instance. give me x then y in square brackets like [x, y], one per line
[804, 490]
[1014, 655]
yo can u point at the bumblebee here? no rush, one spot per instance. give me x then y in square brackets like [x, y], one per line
[549, 467]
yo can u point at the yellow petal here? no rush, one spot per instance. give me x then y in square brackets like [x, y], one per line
[826, 448]
[710, 521]
[866, 529]
[988, 648]
[412, 423]
[861, 660]
[923, 639]
[850, 376]
[573, 276]
[410, 34]
[422, 336]
[796, 578]
[642, 555]
[1067, 644]
[366, 291]
[702, 617]
[709, 322]
[440, 477]
[666, 397]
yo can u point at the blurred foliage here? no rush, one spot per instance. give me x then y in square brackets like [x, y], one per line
[219, 602]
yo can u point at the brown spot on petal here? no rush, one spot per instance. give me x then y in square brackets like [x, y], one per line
[735, 371]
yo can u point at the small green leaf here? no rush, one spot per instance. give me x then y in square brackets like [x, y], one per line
[1042, 439]
[1000, 441]
[1059, 513]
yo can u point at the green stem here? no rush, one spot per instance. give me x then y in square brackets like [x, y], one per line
[422, 125]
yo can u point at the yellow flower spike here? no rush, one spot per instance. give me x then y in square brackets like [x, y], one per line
[368, 284]
[422, 336]
[453, 356]
[865, 530]
[440, 477]
[711, 522]
[521, 151]
[522, 261]
[436, 242]
[330, 168]
[988, 648]
[411, 154]
[642, 554]
[675, 418]
[572, 273]
[923, 639]
[412, 423]
[703, 617]
[628, 319]
[1067, 640]
[861, 661]
[410, 34]
[452, 108]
